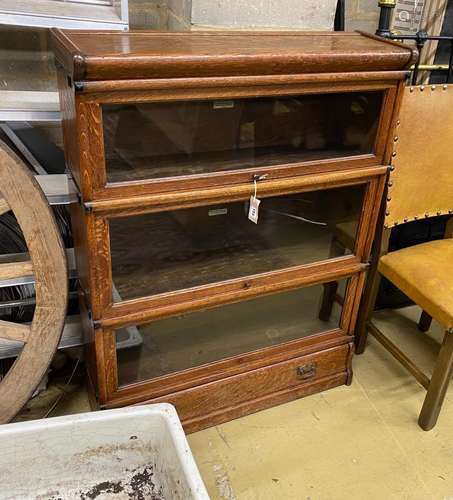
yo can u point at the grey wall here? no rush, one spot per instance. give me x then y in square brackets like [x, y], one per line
[306, 14]
[172, 15]
[362, 15]
[148, 14]
[176, 15]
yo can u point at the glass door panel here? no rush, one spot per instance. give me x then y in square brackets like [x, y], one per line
[158, 140]
[163, 252]
[194, 339]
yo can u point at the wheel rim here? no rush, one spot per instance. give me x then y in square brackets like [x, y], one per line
[21, 193]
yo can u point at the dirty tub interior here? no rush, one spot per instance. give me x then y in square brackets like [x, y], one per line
[138, 453]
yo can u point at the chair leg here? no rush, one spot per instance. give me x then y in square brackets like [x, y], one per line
[370, 294]
[438, 386]
[330, 289]
[328, 299]
[366, 311]
[424, 322]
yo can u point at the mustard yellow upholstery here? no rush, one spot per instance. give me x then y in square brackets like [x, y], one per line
[425, 274]
[421, 184]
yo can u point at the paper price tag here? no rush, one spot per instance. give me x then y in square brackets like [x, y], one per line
[254, 209]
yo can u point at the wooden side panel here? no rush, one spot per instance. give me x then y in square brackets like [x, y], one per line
[91, 246]
[92, 170]
[92, 251]
[69, 124]
[83, 139]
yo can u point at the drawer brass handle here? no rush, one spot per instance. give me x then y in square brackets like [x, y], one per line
[306, 371]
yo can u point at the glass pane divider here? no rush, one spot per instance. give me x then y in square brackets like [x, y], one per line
[280, 171]
[158, 202]
[143, 310]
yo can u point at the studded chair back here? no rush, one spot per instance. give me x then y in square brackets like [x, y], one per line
[421, 178]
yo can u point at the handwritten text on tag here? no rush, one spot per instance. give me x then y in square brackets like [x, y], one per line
[254, 209]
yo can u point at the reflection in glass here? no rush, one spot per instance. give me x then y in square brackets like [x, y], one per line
[163, 252]
[154, 140]
[26, 62]
[201, 337]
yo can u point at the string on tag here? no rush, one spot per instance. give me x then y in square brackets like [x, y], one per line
[254, 201]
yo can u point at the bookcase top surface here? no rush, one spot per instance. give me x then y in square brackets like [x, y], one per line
[109, 55]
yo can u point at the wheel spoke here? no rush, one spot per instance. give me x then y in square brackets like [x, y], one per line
[14, 331]
[12, 270]
[4, 207]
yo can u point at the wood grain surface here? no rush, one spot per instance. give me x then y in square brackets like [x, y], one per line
[4, 207]
[30, 207]
[98, 70]
[14, 331]
[116, 56]
[10, 270]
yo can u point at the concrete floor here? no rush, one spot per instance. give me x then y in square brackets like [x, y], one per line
[358, 442]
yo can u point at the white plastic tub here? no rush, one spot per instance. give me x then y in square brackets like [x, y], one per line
[137, 453]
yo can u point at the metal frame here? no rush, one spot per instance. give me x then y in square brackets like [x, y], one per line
[66, 14]
[420, 38]
[29, 106]
[339, 16]
[22, 148]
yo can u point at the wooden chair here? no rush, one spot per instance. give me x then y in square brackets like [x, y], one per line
[420, 185]
[342, 241]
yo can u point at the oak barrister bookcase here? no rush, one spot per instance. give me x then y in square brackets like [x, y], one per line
[167, 136]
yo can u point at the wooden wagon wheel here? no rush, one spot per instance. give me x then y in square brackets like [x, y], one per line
[47, 262]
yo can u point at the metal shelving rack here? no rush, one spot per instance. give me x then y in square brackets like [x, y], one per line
[68, 14]
[20, 109]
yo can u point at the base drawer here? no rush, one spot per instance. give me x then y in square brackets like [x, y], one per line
[223, 400]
